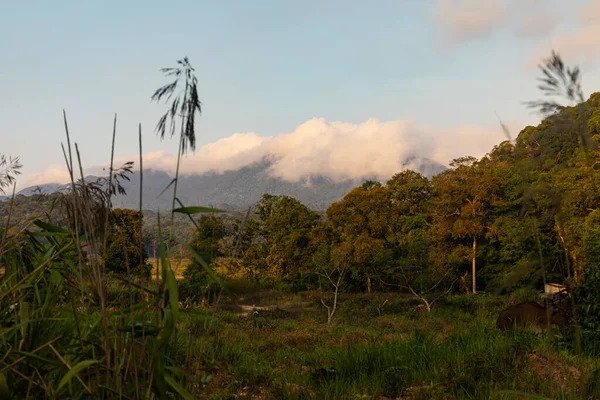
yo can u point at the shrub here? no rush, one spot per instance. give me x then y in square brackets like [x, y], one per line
[124, 248]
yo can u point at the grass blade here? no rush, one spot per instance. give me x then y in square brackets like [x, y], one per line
[178, 388]
[196, 210]
[76, 369]
[4, 392]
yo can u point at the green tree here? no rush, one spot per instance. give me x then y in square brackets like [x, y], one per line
[281, 246]
[591, 240]
[409, 196]
[361, 220]
[463, 197]
[124, 246]
[211, 229]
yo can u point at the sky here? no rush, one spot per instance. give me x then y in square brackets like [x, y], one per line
[326, 86]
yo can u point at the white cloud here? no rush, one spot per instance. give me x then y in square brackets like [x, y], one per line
[464, 20]
[337, 150]
[579, 45]
[533, 20]
[590, 15]
[52, 174]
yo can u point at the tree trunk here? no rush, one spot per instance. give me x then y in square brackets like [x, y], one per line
[369, 287]
[473, 266]
[335, 298]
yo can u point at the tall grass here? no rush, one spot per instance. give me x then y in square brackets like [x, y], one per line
[65, 329]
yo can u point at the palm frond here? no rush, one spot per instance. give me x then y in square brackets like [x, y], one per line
[557, 80]
[166, 90]
[185, 105]
[9, 170]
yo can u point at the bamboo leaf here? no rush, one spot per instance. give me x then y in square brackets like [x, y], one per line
[46, 234]
[201, 261]
[50, 227]
[24, 320]
[164, 263]
[173, 295]
[4, 392]
[169, 185]
[178, 388]
[196, 210]
[76, 369]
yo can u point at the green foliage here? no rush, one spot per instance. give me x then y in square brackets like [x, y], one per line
[205, 248]
[280, 247]
[591, 239]
[210, 230]
[124, 248]
[587, 295]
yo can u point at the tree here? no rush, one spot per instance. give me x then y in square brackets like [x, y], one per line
[409, 194]
[210, 230]
[186, 104]
[361, 219]
[124, 247]
[331, 267]
[591, 240]
[463, 197]
[280, 248]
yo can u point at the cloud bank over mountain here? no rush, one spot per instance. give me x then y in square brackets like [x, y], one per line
[336, 150]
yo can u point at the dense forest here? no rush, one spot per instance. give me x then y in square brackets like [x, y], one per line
[492, 224]
[495, 223]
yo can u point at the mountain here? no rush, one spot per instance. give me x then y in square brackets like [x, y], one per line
[234, 190]
[46, 188]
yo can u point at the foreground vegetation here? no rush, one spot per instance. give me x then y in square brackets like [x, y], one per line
[282, 348]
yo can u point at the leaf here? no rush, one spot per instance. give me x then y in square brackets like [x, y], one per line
[178, 388]
[76, 369]
[46, 234]
[24, 319]
[4, 392]
[197, 210]
[173, 295]
[169, 185]
[164, 263]
[168, 327]
[201, 261]
[50, 227]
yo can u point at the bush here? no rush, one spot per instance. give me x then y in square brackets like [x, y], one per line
[587, 298]
[124, 247]
[524, 294]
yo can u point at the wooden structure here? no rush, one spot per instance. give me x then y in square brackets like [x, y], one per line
[553, 288]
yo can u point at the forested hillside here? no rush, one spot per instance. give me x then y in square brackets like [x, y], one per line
[528, 205]
[492, 224]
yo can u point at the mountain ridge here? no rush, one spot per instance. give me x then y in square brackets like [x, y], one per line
[234, 189]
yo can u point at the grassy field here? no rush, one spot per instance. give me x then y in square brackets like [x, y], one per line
[286, 350]
[178, 265]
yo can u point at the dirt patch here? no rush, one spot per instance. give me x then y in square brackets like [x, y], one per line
[550, 369]
[268, 312]
[247, 310]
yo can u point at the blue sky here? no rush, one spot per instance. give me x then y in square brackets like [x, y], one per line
[267, 67]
